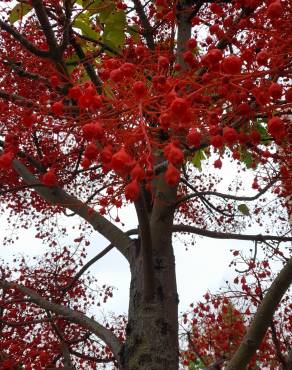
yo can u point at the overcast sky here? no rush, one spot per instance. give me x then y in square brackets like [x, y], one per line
[203, 266]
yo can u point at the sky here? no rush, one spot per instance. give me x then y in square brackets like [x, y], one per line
[202, 267]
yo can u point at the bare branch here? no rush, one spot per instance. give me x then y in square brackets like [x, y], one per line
[91, 358]
[225, 196]
[88, 67]
[220, 235]
[93, 260]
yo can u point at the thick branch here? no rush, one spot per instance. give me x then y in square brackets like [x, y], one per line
[262, 319]
[77, 317]
[184, 28]
[220, 235]
[146, 242]
[147, 29]
[47, 29]
[58, 196]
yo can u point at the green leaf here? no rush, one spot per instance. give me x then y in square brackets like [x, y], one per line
[246, 157]
[196, 365]
[72, 62]
[243, 208]
[108, 8]
[19, 11]
[114, 30]
[84, 24]
[262, 131]
[198, 158]
[133, 32]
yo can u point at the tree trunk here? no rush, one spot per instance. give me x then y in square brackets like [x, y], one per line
[152, 330]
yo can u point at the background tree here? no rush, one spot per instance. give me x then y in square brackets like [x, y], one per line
[104, 103]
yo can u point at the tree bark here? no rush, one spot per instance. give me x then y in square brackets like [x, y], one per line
[152, 330]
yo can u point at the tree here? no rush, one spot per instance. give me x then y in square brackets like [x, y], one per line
[215, 327]
[104, 103]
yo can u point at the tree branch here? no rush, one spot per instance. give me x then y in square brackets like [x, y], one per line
[88, 67]
[262, 319]
[146, 242]
[225, 196]
[220, 235]
[42, 16]
[23, 73]
[77, 317]
[148, 31]
[91, 358]
[289, 360]
[16, 99]
[58, 196]
[93, 260]
[27, 44]
[184, 28]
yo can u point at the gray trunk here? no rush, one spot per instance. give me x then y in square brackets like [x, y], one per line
[152, 331]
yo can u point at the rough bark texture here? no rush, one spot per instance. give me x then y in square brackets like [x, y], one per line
[152, 331]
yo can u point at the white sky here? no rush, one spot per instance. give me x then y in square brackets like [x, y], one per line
[203, 266]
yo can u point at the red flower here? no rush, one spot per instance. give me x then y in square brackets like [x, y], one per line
[91, 151]
[137, 173]
[132, 191]
[262, 58]
[106, 154]
[231, 64]
[121, 162]
[6, 160]
[276, 128]
[178, 107]
[194, 138]
[49, 178]
[218, 163]
[92, 130]
[172, 175]
[116, 75]
[163, 61]
[173, 154]
[275, 10]
[192, 43]
[128, 69]
[275, 90]
[217, 141]
[57, 108]
[139, 89]
[230, 135]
